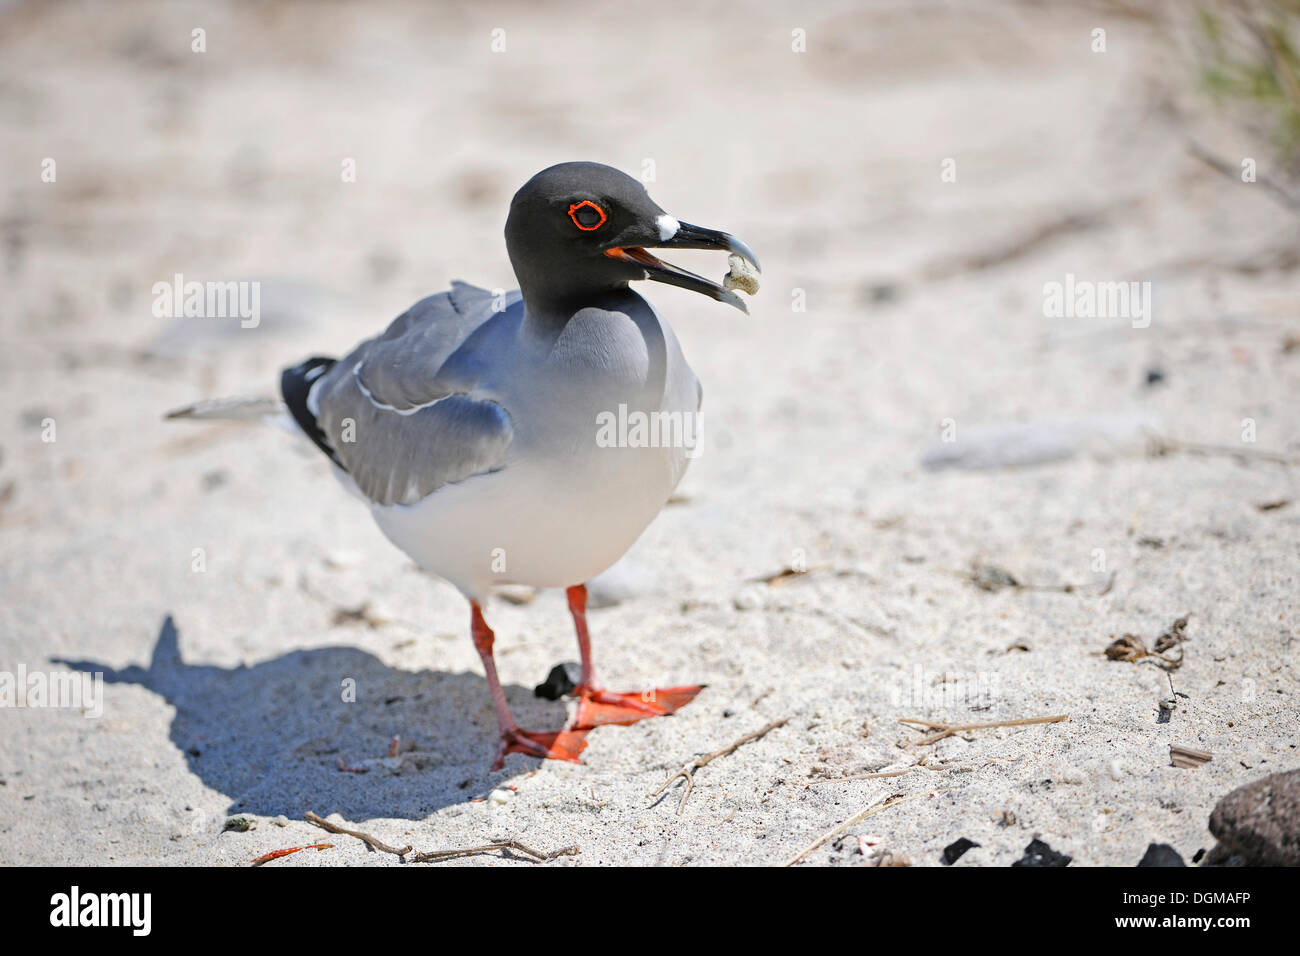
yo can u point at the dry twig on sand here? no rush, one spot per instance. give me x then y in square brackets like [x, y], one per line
[890, 801]
[366, 838]
[787, 575]
[1161, 445]
[947, 730]
[429, 856]
[698, 762]
[988, 577]
[515, 845]
[862, 776]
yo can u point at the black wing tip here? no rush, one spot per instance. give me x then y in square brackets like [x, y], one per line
[295, 385]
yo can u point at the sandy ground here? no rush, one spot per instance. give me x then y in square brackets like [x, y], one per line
[924, 303]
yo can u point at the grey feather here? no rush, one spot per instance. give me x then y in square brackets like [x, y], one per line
[240, 409]
[404, 417]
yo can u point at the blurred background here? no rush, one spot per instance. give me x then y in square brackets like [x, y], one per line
[899, 412]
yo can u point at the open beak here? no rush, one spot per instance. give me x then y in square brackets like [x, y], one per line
[689, 237]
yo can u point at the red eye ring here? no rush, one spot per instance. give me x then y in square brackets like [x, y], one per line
[578, 205]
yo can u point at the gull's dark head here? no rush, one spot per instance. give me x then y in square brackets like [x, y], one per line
[579, 229]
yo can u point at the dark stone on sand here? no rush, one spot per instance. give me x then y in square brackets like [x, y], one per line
[562, 680]
[953, 851]
[1161, 854]
[1260, 822]
[1039, 853]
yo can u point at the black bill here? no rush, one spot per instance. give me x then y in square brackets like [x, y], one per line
[690, 237]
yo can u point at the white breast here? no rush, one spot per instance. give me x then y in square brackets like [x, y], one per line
[564, 508]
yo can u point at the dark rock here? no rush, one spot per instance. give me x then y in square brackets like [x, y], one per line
[1161, 854]
[1260, 821]
[1155, 376]
[562, 680]
[953, 851]
[1039, 853]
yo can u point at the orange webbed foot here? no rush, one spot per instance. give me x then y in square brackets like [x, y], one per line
[564, 744]
[597, 707]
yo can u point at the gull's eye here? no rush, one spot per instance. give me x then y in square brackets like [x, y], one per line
[586, 215]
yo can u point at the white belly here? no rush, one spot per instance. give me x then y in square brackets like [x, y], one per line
[535, 523]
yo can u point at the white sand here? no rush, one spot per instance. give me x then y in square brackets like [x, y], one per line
[226, 165]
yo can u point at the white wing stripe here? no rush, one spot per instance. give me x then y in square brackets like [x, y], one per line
[356, 373]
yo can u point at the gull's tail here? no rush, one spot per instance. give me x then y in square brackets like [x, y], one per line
[294, 411]
[243, 409]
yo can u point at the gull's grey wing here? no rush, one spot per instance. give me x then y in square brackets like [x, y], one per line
[393, 416]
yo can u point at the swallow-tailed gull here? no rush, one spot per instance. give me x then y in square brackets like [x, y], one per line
[485, 431]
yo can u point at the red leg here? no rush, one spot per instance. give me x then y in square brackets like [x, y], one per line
[598, 706]
[557, 745]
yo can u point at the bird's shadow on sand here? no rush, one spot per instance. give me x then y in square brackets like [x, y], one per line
[270, 736]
